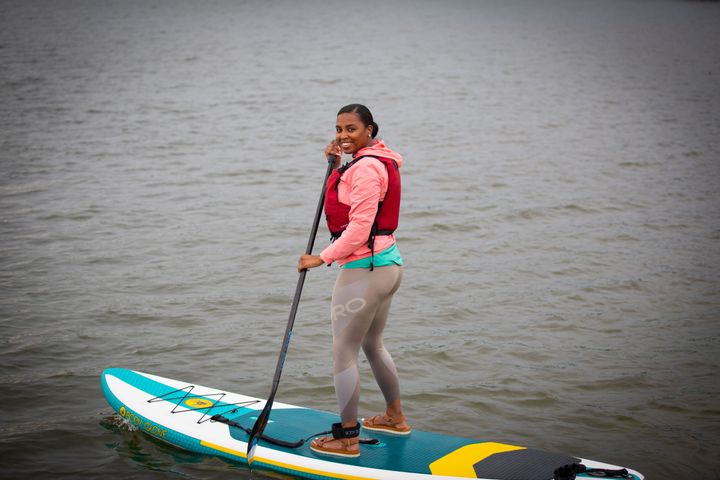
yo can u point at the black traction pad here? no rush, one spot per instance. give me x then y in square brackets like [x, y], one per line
[525, 464]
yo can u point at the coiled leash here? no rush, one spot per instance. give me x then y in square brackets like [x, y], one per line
[569, 472]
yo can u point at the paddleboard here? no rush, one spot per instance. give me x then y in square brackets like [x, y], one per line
[215, 422]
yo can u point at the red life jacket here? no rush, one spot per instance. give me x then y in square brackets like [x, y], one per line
[388, 214]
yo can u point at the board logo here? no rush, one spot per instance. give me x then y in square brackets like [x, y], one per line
[138, 422]
[198, 403]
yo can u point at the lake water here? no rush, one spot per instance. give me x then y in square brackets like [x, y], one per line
[160, 166]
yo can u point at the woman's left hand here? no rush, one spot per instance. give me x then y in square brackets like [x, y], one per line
[309, 261]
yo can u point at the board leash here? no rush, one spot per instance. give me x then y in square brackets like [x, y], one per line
[280, 442]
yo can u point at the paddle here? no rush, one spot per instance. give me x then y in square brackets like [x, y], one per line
[263, 418]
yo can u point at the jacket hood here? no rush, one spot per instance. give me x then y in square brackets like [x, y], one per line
[378, 149]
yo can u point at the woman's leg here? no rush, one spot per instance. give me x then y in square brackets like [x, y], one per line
[360, 304]
[379, 358]
[351, 315]
[359, 309]
[382, 364]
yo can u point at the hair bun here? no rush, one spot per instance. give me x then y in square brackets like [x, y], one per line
[376, 127]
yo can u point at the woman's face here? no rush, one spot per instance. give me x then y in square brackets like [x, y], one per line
[351, 134]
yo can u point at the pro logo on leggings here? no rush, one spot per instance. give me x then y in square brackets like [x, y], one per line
[353, 305]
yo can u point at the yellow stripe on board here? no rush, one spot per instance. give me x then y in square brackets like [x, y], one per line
[283, 465]
[223, 449]
[460, 462]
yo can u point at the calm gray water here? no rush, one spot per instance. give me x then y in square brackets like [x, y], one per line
[160, 166]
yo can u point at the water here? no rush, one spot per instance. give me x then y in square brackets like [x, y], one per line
[161, 162]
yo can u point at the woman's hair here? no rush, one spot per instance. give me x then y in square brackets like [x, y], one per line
[364, 115]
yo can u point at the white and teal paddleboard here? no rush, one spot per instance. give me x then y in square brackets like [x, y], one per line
[181, 414]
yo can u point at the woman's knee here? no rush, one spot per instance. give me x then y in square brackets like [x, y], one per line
[373, 349]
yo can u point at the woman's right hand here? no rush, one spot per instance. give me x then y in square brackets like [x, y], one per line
[334, 149]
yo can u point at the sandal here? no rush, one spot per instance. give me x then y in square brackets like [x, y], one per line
[387, 424]
[342, 435]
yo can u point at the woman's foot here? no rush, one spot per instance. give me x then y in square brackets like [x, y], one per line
[339, 447]
[394, 425]
[345, 442]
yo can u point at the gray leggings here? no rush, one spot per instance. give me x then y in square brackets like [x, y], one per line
[359, 310]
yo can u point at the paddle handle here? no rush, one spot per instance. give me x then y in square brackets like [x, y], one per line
[264, 416]
[318, 211]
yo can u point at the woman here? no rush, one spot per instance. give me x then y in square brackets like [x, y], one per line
[362, 203]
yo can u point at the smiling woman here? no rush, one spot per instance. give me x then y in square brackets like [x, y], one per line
[362, 205]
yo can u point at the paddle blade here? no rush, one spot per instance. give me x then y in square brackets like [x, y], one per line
[251, 452]
[257, 431]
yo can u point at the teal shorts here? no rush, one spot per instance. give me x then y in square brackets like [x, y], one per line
[389, 256]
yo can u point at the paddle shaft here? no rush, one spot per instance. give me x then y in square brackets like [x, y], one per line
[264, 416]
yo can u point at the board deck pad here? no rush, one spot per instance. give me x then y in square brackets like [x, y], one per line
[181, 414]
[527, 463]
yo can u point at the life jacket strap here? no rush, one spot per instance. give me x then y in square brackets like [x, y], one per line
[335, 235]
